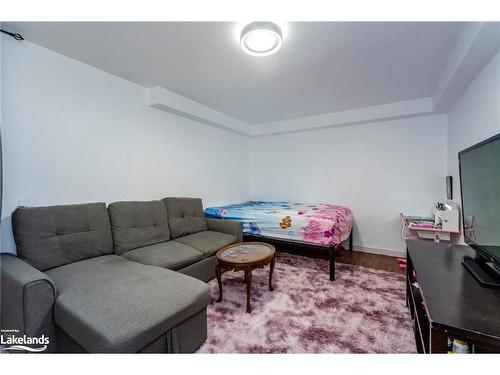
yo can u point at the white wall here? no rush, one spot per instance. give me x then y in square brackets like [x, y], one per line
[474, 117]
[72, 133]
[376, 169]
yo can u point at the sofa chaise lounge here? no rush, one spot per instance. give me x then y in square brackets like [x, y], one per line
[127, 278]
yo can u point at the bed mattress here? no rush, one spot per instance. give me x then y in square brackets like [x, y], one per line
[319, 223]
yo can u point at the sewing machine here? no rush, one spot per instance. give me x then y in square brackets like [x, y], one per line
[447, 218]
[440, 228]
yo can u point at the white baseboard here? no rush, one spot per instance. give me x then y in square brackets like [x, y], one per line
[388, 252]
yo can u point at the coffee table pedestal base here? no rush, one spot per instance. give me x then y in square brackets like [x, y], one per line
[220, 268]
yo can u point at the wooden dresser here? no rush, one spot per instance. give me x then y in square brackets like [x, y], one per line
[447, 302]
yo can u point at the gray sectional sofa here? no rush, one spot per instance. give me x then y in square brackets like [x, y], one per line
[126, 278]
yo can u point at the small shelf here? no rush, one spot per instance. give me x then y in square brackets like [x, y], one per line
[433, 229]
[424, 229]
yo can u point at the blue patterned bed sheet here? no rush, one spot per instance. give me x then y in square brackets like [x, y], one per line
[320, 223]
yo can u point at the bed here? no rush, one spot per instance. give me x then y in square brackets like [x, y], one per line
[318, 225]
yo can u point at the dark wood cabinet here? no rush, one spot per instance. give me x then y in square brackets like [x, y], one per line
[446, 301]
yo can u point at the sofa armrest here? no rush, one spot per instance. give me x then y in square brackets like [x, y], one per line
[226, 226]
[27, 298]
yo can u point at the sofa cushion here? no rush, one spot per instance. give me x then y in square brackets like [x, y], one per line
[137, 224]
[48, 237]
[208, 242]
[185, 216]
[110, 304]
[172, 255]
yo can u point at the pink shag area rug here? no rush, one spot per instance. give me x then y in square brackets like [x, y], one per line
[362, 311]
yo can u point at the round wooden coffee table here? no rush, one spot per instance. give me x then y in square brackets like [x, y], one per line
[245, 257]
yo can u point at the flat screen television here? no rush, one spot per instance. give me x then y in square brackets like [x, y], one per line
[480, 193]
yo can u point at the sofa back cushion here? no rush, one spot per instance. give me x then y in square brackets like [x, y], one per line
[48, 237]
[185, 216]
[138, 224]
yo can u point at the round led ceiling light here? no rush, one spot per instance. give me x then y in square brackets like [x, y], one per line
[261, 38]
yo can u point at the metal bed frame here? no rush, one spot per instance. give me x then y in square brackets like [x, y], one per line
[330, 249]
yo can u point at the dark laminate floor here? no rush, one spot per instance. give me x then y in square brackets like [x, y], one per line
[375, 261]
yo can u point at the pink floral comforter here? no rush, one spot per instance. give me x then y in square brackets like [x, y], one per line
[319, 223]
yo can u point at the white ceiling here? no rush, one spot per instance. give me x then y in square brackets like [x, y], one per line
[323, 66]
